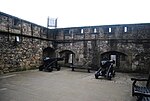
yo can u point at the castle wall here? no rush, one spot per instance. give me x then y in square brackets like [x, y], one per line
[130, 43]
[22, 44]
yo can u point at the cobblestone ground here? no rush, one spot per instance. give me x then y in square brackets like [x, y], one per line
[64, 85]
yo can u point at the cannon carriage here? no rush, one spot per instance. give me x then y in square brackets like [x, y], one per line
[49, 64]
[106, 69]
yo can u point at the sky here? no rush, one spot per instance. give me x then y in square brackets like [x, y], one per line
[75, 13]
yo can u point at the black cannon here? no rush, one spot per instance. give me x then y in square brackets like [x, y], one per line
[49, 64]
[106, 69]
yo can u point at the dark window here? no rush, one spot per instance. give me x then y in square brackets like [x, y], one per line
[16, 21]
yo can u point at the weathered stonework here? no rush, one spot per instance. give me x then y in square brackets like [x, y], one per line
[24, 45]
[27, 52]
[23, 55]
[93, 42]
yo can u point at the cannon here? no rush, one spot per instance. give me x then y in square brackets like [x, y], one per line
[106, 69]
[49, 64]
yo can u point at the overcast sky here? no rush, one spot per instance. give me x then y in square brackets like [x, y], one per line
[71, 13]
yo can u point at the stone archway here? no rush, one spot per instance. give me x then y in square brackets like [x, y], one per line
[68, 56]
[49, 52]
[121, 59]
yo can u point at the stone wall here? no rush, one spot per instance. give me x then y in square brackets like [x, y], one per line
[22, 44]
[130, 43]
[23, 55]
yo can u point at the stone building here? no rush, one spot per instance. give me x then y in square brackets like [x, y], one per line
[25, 44]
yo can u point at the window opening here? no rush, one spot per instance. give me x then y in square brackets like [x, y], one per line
[17, 38]
[125, 29]
[109, 30]
[81, 30]
[95, 30]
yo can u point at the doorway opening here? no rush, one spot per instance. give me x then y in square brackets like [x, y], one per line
[68, 57]
[119, 58]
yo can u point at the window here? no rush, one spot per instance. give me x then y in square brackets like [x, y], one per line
[16, 21]
[81, 30]
[95, 30]
[17, 38]
[125, 29]
[109, 30]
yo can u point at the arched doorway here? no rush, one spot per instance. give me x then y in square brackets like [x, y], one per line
[49, 52]
[68, 56]
[120, 59]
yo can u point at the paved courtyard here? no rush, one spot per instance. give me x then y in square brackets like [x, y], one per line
[64, 85]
